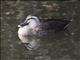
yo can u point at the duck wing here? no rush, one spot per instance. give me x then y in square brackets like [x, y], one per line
[56, 24]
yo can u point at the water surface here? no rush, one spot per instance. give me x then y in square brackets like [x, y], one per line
[60, 46]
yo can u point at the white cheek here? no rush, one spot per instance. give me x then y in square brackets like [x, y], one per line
[23, 33]
[23, 30]
[32, 25]
[23, 38]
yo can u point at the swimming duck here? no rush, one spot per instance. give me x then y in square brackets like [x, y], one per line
[34, 27]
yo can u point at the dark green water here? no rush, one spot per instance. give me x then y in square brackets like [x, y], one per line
[60, 46]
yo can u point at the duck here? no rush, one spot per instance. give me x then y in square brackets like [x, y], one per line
[32, 28]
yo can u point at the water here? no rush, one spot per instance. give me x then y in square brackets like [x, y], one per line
[59, 46]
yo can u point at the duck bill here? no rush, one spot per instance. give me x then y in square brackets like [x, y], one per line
[23, 24]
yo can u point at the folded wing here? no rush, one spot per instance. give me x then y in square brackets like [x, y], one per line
[56, 24]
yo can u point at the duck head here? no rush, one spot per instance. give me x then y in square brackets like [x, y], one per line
[31, 21]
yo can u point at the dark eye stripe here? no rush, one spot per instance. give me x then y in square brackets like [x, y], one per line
[30, 18]
[25, 22]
